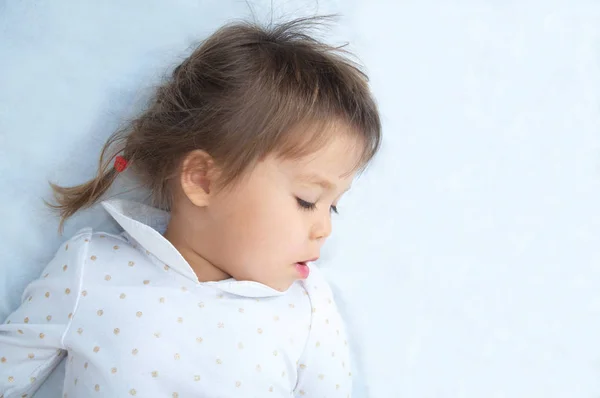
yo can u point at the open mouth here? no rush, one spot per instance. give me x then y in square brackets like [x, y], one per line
[303, 269]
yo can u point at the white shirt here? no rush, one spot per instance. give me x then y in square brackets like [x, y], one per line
[135, 321]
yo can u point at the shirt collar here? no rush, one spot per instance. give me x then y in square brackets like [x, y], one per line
[147, 224]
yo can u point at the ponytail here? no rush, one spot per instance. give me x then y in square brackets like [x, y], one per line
[69, 200]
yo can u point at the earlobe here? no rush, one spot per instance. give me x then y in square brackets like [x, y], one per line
[197, 173]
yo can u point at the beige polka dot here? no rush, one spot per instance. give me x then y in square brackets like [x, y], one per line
[338, 332]
[67, 291]
[138, 314]
[275, 318]
[66, 247]
[85, 365]
[157, 334]
[201, 305]
[183, 289]
[30, 356]
[134, 351]
[107, 278]
[84, 293]
[132, 391]
[42, 335]
[102, 236]
[238, 384]
[179, 320]
[26, 320]
[46, 275]
[318, 344]
[155, 374]
[32, 380]
[65, 267]
[70, 315]
[258, 368]
[166, 267]
[116, 247]
[240, 345]
[47, 294]
[30, 298]
[86, 240]
[49, 318]
[327, 321]
[3, 360]
[75, 381]
[93, 258]
[292, 306]
[350, 374]
[11, 379]
[302, 366]
[302, 392]
[220, 325]
[177, 356]
[199, 339]
[321, 376]
[113, 370]
[219, 296]
[97, 387]
[175, 395]
[116, 331]
[337, 386]
[333, 354]
[197, 378]
[100, 312]
[122, 296]
[146, 282]
[275, 353]
[161, 300]
[19, 331]
[259, 330]
[314, 310]
[219, 361]
[241, 310]
[96, 349]
[271, 389]
[131, 263]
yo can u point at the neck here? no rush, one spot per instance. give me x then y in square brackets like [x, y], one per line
[176, 233]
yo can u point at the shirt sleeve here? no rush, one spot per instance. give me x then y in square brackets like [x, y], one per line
[324, 369]
[31, 338]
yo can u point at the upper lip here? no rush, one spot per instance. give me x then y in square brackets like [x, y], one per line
[308, 261]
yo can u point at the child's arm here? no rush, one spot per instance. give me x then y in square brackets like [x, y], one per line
[324, 370]
[31, 339]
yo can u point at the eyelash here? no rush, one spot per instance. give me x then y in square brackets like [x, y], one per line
[304, 205]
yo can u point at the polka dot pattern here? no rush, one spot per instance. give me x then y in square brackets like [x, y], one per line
[121, 311]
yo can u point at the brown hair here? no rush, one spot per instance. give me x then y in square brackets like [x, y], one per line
[241, 95]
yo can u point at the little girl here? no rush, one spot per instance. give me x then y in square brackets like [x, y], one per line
[209, 292]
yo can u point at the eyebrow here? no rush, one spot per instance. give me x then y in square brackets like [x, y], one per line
[318, 180]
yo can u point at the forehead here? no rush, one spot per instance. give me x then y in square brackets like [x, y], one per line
[335, 161]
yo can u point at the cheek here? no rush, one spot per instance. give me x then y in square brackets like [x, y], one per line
[260, 221]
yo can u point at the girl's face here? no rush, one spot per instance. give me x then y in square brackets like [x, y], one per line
[279, 216]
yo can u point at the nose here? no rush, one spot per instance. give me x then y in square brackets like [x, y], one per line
[321, 229]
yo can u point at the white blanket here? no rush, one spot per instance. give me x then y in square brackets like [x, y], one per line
[466, 258]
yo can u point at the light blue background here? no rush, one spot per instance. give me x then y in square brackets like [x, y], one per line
[467, 258]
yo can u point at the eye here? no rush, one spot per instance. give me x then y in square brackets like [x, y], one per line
[304, 205]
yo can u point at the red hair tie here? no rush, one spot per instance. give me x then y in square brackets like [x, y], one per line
[120, 163]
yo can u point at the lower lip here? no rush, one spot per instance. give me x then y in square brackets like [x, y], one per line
[303, 270]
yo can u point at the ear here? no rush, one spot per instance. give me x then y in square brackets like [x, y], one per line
[198, 176]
